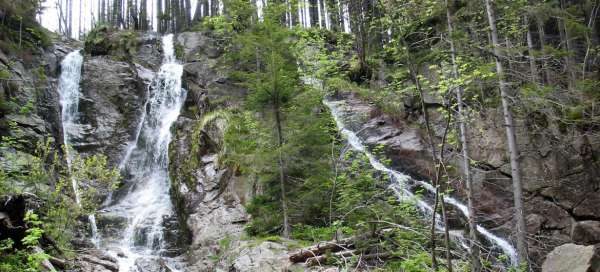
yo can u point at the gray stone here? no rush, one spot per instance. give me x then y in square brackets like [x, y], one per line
[111, 107]
[266, 257]
[587, 232]
[572, 258]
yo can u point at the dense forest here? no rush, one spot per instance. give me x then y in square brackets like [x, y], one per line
[306, 135]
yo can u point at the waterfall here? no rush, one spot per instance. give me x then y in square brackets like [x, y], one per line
[68, 91]
[147, 203]
[401, 182]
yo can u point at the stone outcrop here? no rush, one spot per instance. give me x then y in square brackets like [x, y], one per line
[208, 195]
[562, 190]
[573, 258]
[111, 106]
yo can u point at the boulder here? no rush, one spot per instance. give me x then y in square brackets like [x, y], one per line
[265, 257]
[573, 258]
[154, 264]
[587, 232]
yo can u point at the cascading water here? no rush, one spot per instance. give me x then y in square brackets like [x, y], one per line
[145, 204]
[68, 91]
[401, 182]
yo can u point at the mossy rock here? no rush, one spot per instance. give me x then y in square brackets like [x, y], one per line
[106, 41]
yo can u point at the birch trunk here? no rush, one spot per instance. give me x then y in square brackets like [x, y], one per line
[511, 139]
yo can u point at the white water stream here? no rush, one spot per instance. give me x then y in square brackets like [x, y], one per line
[68, 91]
[147, 204]
[402, 181]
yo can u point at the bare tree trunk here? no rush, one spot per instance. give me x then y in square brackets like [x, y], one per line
[532, 64]
[160, 15]
[79, 21]
[474, 249]
[198, 13]
[188, 13]
[511, 138]
[417, 83]
[588, 40]
[540, 26]
[566, 40]
[143, 18]
[69, 18]
[286, 224]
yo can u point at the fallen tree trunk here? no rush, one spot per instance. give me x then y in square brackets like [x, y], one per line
[318, 260]
[316, 250]
[331, 246]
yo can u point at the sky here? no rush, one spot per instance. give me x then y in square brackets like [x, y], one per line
[50, 14]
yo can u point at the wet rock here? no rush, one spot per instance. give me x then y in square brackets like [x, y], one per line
[587, 232]
[96, 261]
[151, 264]
[111, 107]
[573, 258]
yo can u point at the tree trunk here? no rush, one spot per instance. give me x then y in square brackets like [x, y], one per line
[511, 138]
[532, 64]
[417, 83]
[540, 26]
[588, 40]
[286, 224]
[474, 248]
[188, 13]
[198, 13]
[566, 41]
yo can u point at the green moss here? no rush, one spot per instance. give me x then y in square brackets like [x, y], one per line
[4, 74]
[179, 51]
[104, 40]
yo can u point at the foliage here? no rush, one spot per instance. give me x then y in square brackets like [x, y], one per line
[45, 175]
[19, 29]
[27, 259]
[105, 40]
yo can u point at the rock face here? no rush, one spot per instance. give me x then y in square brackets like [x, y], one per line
[560, 170]
[29, 107]
[573, 258]
[111, 106]
[209, 195]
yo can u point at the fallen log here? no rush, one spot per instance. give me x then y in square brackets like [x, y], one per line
[319, 260]
[317, 250]
[60, 263]
[331, 246]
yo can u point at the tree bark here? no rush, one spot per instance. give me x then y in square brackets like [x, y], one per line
[511, 138]
[286, 224]
[566, 41]
[532, 64]
[540, 26]
[474, 249]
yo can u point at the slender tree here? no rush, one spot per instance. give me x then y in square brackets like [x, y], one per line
[461, 118]
[519, 213]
